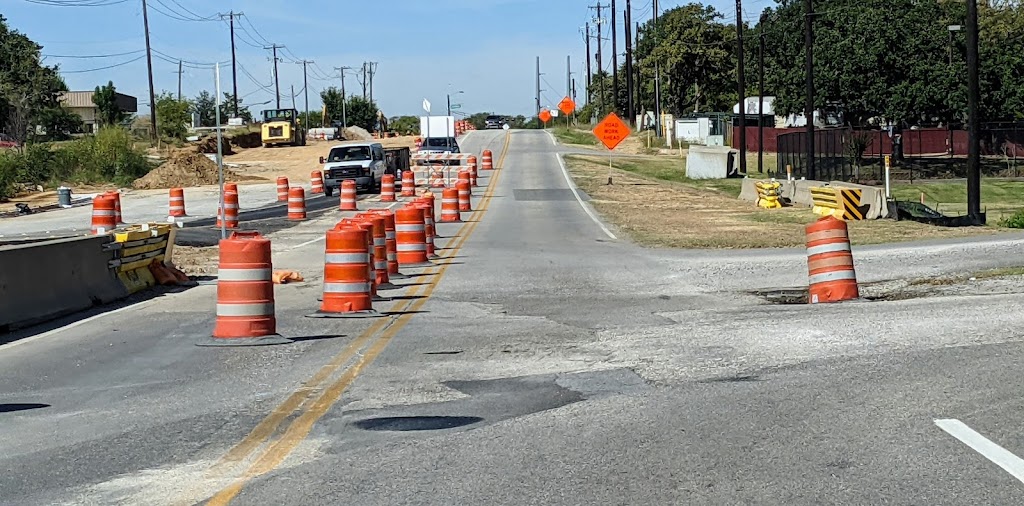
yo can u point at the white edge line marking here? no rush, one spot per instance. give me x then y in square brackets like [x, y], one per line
[584, 205]
[991, 451]
[72, 325]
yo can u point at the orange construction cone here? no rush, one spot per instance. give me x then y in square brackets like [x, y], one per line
[176, 203]
[348, 196]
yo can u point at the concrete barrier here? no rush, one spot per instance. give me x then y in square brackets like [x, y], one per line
[46, 280]
[711, 162]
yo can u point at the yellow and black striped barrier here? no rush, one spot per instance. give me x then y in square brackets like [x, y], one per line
[842, 203]
[769, 194]
[137, 247]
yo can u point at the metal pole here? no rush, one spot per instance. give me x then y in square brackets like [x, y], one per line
[149, 67]
[760, 102]
[742, 86]
[234, 70]
[809, 75]
[630, 105]
[657, 79]
[588, 63]
[538, 86]
[615, 61]
[973, 117]
[220, 155]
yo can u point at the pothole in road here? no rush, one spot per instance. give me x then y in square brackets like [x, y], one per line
[416, 423]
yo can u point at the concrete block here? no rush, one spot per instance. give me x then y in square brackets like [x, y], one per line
[49, 279]
[710, 162]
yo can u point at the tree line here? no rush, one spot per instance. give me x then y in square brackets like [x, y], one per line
[884, 61]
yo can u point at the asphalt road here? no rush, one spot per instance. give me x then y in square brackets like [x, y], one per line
[544, 360]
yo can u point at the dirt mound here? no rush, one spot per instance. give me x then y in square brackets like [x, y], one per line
[208, 144]
[246, 141]
[354, 133]
[183, 169]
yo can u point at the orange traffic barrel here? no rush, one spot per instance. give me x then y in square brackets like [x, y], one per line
[472, 170]
[387, 188]
[176, 203]
[230, 212]
[437, 177]
[487, 160]
[296, 203]
[450, 206]
[316, 180]
[830, 262]
[231, 187]
[408, 184]
[389, 241]
[104, 220]
[367, 226]
[347, 283]
[428, 225]
[348, 195]
[245, 290]
[465, 193]
[411, 237]
[380, 249]
[117, 206]
[282, 189]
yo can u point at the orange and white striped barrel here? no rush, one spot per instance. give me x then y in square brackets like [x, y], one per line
[387, 188]
[465, 193]
[316, 181]
[437, 176]
[346, 271]
[430, 231]
[230, 212]
[348, 196]
[830, 262]
[389, 239]
[104, 220]
[380, 248]
[296, 204]
[450, 206]
[419, 143]
[411, 237]
[176, 203]
[116, 195]
[282, 189]
[366, 226]
[408, 184]
[471, 164]
[245, 288]
[231, 187]
[487, 160]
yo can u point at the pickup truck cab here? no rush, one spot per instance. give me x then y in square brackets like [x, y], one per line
[361, 162]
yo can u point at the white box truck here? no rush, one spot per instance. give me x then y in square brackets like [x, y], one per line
[437, 126]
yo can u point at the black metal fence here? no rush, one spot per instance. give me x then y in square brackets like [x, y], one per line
[830, 158]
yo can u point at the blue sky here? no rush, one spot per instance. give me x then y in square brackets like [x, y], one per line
[486, 48]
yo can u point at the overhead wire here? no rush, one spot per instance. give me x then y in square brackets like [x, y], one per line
[133, 60]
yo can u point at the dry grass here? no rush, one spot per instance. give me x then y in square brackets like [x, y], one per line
[691, 214]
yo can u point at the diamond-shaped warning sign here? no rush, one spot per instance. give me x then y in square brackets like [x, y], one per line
[567, 106]
[611, 131]
[545, 116]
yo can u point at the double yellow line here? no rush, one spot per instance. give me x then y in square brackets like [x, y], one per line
[310, 406]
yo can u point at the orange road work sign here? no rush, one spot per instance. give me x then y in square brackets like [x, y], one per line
[544, 116]
[567, 106]
[611, 131]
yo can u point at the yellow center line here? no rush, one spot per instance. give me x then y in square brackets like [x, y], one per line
[299, 429]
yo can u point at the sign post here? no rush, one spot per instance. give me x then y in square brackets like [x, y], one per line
[611, 131]
[567, 106]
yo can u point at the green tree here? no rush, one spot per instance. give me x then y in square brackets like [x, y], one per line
[105, 98]
[27, 88]
[60, 123]
[206, 107]
[406, 125]
[227, 109]
[361, 112]
[332, 100]
[173, 115]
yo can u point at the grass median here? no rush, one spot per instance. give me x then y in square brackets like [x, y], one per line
[653, 201]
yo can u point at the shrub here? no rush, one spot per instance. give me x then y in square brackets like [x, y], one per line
[1015, 220]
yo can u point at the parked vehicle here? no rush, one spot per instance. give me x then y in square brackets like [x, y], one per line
[494, 122]
[439, 145]
[362, 162]
[282, 126]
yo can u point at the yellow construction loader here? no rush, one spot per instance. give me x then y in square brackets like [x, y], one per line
[282, 126]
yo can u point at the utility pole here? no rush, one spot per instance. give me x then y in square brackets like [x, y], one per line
[742, 86]
[973, 119]
[809, 73]
[568, 86]
[538, 86]
[760, 98]
[639, 76]
[293, 97]
[600, 63]
[364, 80]
[277, 84]
[615, 61]
[179, 72]
[657, 78]
[344, 97]
[630, 106]
[149, 67]
[305, 91]
[234, 70]
[588, 62]
[373, 70]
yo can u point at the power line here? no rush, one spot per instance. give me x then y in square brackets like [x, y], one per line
[133, 60]
[87, 56]
[71, 3]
